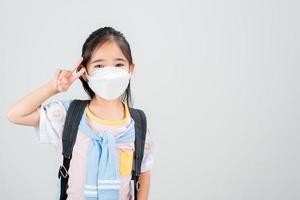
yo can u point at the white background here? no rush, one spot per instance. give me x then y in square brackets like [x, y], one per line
[218, 80]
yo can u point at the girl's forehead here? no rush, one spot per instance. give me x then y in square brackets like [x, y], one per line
[107, 51]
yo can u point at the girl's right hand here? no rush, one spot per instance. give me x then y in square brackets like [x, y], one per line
[63, 79]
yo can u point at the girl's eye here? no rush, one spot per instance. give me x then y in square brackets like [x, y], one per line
[119, 65]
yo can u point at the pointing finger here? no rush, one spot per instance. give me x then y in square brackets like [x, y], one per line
[78, 74]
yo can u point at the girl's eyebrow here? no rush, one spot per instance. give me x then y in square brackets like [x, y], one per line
[117, 59]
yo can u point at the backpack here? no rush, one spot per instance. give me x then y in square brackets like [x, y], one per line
[73, 117]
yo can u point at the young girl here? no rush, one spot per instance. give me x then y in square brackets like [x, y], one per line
[104, 69]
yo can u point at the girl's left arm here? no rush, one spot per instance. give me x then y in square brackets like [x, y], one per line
[144, 180]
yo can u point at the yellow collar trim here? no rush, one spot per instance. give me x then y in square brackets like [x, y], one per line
[107, 122]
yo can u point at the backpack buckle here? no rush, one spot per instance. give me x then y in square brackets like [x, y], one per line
[137, 185]
[63, 171]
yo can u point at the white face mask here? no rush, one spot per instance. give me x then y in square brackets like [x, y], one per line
[109, 82]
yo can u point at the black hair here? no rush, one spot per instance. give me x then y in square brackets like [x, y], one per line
[96, 39]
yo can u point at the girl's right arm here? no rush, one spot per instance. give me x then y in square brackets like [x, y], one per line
[24, 112]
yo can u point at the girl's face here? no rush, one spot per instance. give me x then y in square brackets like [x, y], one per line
[108, 54]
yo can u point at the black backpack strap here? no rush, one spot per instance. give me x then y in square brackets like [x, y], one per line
[140, 120]
[69, 135]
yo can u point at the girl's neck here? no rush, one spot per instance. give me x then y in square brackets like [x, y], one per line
[106, 104]
[107, 109]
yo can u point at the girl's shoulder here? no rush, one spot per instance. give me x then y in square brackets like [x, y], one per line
[52, 118]
[54, 110]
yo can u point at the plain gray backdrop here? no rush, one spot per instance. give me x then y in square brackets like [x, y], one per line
[218, 80]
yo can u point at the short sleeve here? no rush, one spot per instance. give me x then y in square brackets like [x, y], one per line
[148, 158]
[52, 118]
